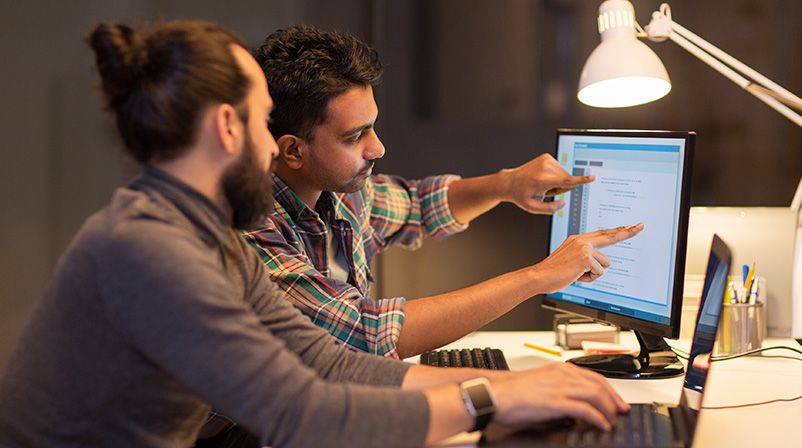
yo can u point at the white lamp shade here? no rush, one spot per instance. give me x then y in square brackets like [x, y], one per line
[622, 72]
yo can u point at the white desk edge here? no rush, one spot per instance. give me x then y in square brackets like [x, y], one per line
[746, 380]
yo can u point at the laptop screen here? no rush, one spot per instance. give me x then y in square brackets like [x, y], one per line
[707, 321]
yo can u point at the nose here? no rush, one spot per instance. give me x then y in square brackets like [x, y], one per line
[272, 151]
[272, 146]
[375, 150]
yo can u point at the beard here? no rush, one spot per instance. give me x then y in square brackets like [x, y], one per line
[358, 182]
[248, 190]
[326, 181]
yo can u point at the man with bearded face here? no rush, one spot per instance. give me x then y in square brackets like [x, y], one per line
[248, 189]
[159, 309]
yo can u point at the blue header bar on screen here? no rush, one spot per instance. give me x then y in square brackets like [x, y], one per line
[628, 147]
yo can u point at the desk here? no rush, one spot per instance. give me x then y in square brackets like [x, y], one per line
[738, 381]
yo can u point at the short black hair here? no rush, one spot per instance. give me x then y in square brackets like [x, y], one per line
[305, 68]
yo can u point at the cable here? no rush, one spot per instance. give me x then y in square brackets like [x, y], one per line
[753, 404]
[684, 355]
[758, 350]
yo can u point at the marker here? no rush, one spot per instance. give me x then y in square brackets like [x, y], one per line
[749, 274]
[732, 294]
[729, 292]
[748, 283]
[745, 270]
[543, 349]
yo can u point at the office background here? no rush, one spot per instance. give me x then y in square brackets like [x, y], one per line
[471, 87]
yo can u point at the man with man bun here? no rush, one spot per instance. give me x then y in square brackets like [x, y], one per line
[159, 310]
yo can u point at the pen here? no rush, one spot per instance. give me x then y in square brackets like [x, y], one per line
[543, 349]
[754, 290]
[732, 293]
[745, 270]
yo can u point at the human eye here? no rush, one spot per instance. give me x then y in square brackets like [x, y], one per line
[354, 138]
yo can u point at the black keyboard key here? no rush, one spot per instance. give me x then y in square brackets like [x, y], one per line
[445, 360]
[467, 359]
[455, 359]
[478, 358]
[491, 360]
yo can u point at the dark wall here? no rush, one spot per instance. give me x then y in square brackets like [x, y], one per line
[471, 87]
[62, 158]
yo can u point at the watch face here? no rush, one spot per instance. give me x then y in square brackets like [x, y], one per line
[480, 397]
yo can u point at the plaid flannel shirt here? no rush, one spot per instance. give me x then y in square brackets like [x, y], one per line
[389, 210]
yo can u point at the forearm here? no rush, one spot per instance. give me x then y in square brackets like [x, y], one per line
[551, 392]
[431, 322]
[437, 320]
[527, 186]
[425, 377]
[448, 414]
[472, 197]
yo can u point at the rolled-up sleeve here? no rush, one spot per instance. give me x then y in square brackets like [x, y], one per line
[389, 211]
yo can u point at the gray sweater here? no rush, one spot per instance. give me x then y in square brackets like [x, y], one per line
[158, 310]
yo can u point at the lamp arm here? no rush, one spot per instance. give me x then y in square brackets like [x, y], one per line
[662, 27]
[764, 94]
[763, 81]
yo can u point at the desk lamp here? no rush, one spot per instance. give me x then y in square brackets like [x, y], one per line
[622, 71]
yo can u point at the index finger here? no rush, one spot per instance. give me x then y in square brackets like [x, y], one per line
[569, 183]
[608, 237]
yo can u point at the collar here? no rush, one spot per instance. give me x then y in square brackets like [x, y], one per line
[204, 213]
[294, 208]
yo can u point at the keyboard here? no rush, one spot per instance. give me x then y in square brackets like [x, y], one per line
[480, 358]
[641, 427]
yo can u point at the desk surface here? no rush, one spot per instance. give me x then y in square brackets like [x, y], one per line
[734, 382]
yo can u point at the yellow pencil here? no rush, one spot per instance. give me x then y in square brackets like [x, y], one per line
[543, 349]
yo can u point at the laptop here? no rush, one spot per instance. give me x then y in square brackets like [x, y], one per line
[650, 424]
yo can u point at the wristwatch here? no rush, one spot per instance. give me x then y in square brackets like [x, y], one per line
[480, 401]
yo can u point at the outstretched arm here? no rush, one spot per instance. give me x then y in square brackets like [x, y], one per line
[526, 186]
[434, 321]
[523, 399]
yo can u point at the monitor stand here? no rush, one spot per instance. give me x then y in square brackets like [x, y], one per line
[655, 360]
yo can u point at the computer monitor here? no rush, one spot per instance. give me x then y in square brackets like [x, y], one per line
[641, 176]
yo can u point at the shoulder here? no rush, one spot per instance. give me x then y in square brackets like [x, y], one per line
[139, 230]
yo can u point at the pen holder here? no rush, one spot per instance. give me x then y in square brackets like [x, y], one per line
[743, 328]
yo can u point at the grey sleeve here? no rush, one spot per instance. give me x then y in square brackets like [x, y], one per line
[254, 358]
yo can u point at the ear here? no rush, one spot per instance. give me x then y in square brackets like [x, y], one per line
[229, 129]
[291, 150]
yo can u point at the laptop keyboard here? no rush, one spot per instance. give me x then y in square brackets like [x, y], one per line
[480, 358]
[641, 427]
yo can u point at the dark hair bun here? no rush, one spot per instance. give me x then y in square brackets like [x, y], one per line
[120, 55]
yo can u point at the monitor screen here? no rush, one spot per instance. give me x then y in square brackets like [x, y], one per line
[641, 176]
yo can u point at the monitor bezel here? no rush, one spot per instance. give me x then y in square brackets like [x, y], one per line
[672, 329]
